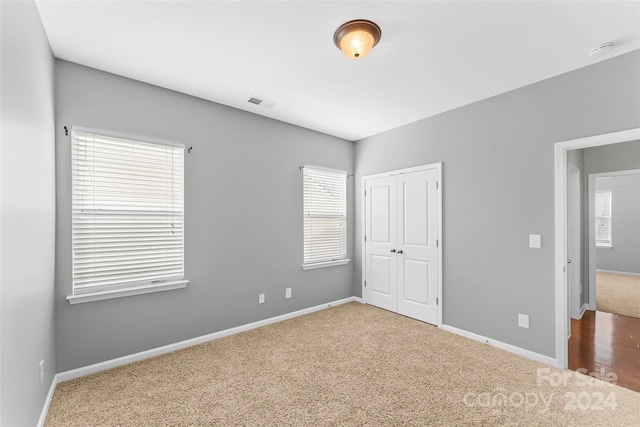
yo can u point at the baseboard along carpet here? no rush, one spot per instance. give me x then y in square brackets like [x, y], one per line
[350, 365]
[618, 294]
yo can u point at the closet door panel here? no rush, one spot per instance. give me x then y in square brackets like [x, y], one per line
[417, 255]
[380, 256]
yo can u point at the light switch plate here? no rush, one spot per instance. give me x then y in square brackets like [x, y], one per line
[523, 321]
[535, 241]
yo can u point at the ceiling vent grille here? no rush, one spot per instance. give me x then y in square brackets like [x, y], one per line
[261, 102]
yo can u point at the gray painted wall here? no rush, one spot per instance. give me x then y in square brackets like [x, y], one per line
[243, 216]
[624, 256]
[612, 158]
[27, 215]
[498, 179]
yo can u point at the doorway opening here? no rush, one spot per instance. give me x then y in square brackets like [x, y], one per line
[572, 301]
[614, 243]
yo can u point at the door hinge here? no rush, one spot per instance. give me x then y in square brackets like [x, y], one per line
[436, 300]
[437, 184]
[437, 243]
[365, 283]
[365, 193]
[365, 238]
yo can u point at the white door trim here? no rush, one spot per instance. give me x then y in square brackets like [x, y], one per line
[560, 203]
[438, 167]
[405, 170]
[576, 258]
[592, 221]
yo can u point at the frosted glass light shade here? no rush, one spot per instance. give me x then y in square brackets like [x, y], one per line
[356, 38]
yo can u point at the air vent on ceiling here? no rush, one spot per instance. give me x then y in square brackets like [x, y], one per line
[601, 50]
[262, 102]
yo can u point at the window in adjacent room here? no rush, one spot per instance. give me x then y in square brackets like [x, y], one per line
[603, 219]
[127, 215]
[325, 217]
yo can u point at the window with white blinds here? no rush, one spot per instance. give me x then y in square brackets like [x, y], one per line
[603, 218]
[127, 212]
[325, 215]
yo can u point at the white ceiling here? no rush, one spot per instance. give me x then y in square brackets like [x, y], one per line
[433, 56]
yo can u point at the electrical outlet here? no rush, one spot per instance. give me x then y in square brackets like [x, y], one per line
[523, 321]
[535, 241]
[41, 371]
[287, 293]
[261, 299]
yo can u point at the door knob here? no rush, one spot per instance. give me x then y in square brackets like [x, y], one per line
[393, 250]
[400, 251]
[569, 261]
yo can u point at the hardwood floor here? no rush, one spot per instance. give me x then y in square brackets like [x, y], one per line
[607, 343]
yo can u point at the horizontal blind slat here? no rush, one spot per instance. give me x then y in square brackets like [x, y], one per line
[127, 211]
[603, 217]
[324, 211]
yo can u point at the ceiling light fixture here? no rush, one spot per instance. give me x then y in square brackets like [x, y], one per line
[356, 38]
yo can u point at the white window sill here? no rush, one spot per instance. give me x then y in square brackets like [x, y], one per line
[325, 264]
[604, 247]
[119, 293]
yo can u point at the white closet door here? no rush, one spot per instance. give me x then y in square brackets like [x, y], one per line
[380, 261]
[417, 252]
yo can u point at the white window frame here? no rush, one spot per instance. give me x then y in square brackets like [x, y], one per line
[340, 256]
[163, 281]
[608, 243]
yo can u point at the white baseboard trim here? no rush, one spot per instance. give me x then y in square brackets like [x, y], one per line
[47, 402]
[622, 273]
[501, 345]
[584, 307]
[124, 360]
[582, 310]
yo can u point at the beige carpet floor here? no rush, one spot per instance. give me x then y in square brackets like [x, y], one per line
[351, 365]
[618, 294]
